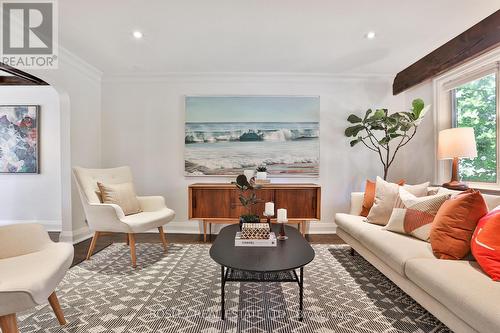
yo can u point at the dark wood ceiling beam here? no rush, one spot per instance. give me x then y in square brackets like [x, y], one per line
[477, 40]
[15, 81]
[24, 78]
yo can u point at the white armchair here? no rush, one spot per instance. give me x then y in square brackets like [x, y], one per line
[106, 218]
[31, 267]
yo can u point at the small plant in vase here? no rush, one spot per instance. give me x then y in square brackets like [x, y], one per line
[248, 198]
[261, 172]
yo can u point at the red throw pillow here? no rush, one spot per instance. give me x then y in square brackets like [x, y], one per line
[485, 244]
[369, 196]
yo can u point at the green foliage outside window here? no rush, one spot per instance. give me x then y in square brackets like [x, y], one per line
[475, 106]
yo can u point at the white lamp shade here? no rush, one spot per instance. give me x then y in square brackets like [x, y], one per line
[457, 142]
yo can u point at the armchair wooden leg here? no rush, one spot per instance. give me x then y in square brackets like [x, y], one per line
[92, 244]
[54, 303]
[131, 240]
[163, 239]
[8, 323]
[126, 239]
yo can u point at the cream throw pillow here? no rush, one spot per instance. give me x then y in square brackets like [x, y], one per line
[122, 195]
[386, 195]
[414, 216]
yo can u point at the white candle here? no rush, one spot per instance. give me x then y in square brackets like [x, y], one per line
[281, 215]
[269, 211]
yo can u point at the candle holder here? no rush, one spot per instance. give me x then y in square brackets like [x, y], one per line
[282, 235]
[268, 218]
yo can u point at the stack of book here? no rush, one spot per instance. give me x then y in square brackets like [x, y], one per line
[255, 234]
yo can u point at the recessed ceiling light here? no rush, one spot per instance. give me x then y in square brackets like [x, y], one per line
[137, 34]
[370, 35]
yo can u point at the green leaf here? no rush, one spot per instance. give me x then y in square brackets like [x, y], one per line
[379, 114]
[353, 119]
[355, 142]
[353, 130]
[368, 112]
[385, 140]
[418, 105]
[393, 129]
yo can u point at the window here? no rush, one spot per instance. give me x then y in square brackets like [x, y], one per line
[474, 104]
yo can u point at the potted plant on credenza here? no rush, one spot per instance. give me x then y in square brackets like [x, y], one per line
[248, 198]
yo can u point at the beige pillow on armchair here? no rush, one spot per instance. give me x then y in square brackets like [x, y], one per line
[122, 195]
[386, 195]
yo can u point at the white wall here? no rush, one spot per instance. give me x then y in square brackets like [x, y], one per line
[35, 198]
[416, 162]
[143, 126]
[79, 87]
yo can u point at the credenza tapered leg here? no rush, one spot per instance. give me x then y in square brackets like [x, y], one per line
[204, 231]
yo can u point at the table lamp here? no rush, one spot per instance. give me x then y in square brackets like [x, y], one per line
[455, 143]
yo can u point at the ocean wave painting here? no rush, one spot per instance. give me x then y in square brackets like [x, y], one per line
[226, 135]
[19, 139]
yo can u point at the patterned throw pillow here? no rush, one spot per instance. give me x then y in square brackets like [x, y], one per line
[386, 195]
[413, 215]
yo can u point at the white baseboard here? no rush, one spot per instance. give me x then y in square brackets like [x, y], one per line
[75, 236]
[190, 227]
[193, 227]
[49, 225]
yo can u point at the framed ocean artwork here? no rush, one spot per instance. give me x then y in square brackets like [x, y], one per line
[225, 135]
[19, 139]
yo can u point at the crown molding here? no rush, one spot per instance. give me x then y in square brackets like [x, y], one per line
[74, 61]
[239, 76]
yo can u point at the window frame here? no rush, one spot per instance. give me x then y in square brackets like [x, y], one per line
[443, 87]
[470, 78]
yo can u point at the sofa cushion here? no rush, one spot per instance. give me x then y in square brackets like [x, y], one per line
[491, 200]
[392, 248]
[462, 287]
[395, 249]
[354, 225]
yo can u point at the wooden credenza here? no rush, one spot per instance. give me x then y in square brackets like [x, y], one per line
[219, 203]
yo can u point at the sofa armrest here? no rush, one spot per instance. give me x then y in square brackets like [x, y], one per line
[356, 202]
[152, 203]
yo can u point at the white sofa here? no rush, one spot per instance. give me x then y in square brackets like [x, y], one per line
[457, 292]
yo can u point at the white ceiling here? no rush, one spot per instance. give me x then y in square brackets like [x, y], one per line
[293, 36]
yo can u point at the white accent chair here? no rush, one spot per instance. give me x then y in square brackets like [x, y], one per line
[109, 218]
[31, 267]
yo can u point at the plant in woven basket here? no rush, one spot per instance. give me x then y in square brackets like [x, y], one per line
[248, 198]
[386, 133]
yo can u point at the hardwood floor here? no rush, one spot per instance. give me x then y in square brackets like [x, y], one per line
[106, 240]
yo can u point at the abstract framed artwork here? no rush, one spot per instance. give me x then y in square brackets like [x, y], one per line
[225, 135]
[19, 139]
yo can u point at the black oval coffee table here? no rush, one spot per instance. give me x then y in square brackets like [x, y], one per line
[262, 264]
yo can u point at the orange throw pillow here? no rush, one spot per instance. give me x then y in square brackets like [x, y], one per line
[369, 196]
[485, 244]
[455, 223]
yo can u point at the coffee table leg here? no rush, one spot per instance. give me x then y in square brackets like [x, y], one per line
[301, 294]
[222, 284]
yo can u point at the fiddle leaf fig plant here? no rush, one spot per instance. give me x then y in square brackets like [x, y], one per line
[385, 133]
[248, 198]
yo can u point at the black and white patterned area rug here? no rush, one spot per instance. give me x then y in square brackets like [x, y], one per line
[180, 292]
